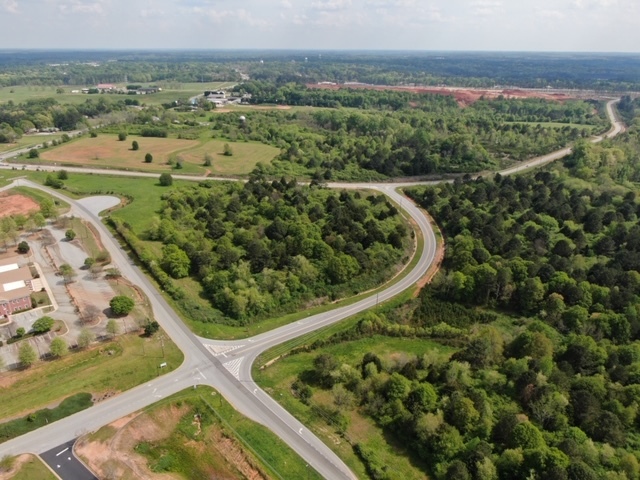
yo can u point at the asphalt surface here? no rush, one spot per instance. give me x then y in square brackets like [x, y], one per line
[62, 461]
[226, 366]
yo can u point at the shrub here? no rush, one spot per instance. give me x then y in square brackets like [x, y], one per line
[134, 145]
[33, 153]
[42, 325]
[166, 180]
[23, 247]
[122, 136]
[121, 305]
[70, 234]
[63, 175]
[148, 158]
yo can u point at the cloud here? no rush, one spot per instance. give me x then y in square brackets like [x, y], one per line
[10, 6]
[551, 14]
[286, 4]
[485, 8]
[331, 4]
[79, 6]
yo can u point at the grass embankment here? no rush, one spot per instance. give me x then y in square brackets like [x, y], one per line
[110, 367]
[25, 467]
[40, 418]
[179, 429]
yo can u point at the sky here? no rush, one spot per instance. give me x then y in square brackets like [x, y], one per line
[489, 25]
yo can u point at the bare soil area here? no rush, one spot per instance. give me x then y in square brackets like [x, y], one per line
[113, 455]
[464, 96]
[16, 204]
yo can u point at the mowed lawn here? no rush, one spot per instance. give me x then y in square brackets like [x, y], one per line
[244, 159]
[106, 151]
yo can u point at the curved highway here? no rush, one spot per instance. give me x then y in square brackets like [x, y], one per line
[225, 365]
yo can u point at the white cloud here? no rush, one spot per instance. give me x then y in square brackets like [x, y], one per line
[10, 6]
[79, 6]
[331, 4]
[551, 14]
[484, 8]
[286, 4]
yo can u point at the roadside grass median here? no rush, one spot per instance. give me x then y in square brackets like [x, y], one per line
[40, 418]
[106, 368]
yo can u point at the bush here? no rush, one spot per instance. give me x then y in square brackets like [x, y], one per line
[166, 180]
[135, 146]
[151, 327]
[227, 151]
[93, 134]
[153, 132]
[121, 305]
[23, 247]
[70, 234]
[43, 325]
[53, 182]
[63, 175]
[122, 136]
[33, 153]
[20, 332]
[148, 158]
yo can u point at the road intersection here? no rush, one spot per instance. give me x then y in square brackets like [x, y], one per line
[226, 365]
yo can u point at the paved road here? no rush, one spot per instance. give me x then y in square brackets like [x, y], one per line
[62, 461]
[227, 365]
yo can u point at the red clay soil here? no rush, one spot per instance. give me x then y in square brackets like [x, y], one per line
[16, 204]
[464, 96]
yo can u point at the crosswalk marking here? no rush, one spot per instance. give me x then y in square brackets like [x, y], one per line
[234, 367]
[218, 350]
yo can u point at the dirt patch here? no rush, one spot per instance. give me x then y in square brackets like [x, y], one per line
[16, 204]
[464, 96]
[17, 465]
[114, 455]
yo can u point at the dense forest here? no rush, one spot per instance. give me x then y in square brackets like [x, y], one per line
[472, 69]
[539, 293]
[263, 248]
[434, 135]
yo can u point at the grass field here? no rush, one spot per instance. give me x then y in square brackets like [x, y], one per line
[105, 151]
[134, 360]
[31, 468]
[170, 92]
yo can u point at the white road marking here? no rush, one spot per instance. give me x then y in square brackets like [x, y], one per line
[61, 452]
[300, 432]
[201, 373]
[234, 367]
[218, 350]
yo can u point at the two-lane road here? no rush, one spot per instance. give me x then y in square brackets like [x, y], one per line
[227, 365]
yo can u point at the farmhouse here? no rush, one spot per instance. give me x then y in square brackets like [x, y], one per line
[15, 287]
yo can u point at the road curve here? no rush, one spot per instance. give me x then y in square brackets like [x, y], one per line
[227, 365]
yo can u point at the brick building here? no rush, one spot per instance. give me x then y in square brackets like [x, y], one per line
[15, 287]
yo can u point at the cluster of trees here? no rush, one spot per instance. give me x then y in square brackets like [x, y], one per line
[45, 113]
[435, 137]
[538, 246]
[266, 247]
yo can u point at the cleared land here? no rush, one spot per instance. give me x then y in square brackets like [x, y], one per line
[15, 204]
[194, 434]
[464, 96]
[105, 151]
